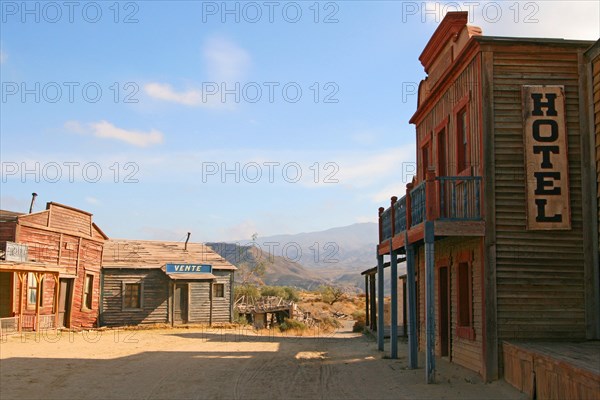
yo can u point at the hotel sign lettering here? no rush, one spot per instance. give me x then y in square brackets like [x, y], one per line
[188, 268]
[546, 163]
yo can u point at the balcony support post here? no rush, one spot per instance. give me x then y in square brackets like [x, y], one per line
[393, 201]
[381, 210]
[429, 302]
[394, 303]
[380, 319]
[430, 196]
[409, 187]
[412, 304]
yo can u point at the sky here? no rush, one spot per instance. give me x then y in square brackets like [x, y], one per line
[226, 119]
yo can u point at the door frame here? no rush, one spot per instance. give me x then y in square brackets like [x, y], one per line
[66, 320]
[186, 285]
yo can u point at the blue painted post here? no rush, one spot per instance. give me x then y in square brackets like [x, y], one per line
[429, 303]
[380, 321]
[394, 305]
[411, 298]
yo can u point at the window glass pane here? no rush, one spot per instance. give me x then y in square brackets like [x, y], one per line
[132, 295]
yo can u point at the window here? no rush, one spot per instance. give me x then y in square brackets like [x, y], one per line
[462, 140]
[88, 291]
[219, 290]
[464, 323]
[425, 160]
[32, 289]
[132, 295]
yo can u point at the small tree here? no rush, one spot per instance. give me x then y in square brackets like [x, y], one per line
[330, 294]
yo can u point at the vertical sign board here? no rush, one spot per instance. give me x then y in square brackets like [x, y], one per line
[546, 163]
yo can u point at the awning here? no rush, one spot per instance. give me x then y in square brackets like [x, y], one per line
[192, 277]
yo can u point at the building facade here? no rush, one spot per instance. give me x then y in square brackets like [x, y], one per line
[50, 269]
[151, 282]
[497, 227]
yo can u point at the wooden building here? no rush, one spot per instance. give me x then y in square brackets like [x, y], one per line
[145, 282]
[498, 226]
[50, 269]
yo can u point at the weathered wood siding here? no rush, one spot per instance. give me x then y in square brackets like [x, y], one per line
[465, 352]
[540, 274]
[596, 111]
[200, 306]
[154, 298]
[7, 231]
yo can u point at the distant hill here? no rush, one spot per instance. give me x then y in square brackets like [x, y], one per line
[336, 255]
[279, 270]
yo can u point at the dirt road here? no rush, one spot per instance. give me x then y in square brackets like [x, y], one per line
[220, 364]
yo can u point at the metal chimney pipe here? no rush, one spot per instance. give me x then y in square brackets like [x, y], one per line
[33, 196]
[187, 240]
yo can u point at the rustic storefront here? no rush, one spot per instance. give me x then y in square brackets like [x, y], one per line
[147, 282]
[50, 269]
[495, 227]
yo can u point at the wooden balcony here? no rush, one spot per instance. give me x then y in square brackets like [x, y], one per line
[452, 203]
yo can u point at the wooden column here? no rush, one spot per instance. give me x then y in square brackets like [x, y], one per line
[380, 319]
[56, 298]
[412, 304]
[393, 201]
[21, 276]
[210, 295]
[373, 305]
[409, 187]
[39, 277]
[394, 305]
[380, 211]
[367, 321]
[429, 303]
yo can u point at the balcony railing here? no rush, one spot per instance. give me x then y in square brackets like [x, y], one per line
[459, 197]
[448, 198]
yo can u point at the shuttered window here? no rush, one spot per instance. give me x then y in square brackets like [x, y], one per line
[462, 140]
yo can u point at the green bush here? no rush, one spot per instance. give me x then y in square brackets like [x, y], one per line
[247, 290]
[285, 292]
[290, 324]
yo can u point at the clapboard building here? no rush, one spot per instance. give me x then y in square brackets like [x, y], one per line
[49, 269]
[146, 282]
[498, 226]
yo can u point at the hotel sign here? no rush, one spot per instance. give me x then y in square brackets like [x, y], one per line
[188, 269]
[546, 163]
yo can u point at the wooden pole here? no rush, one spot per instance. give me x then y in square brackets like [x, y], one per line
[56, 298]
[413, 360]
[429, 303]
[394, 305]
[367, 321]
[380, 319]
[210, 295]
[21, 276]
[373, 299]
[38, 280]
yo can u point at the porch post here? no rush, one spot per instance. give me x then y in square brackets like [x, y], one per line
[380, 319]
[367, 321]
[429, 302]
[412, 304]
[373, 313]
[21, 276]
[38, 280]
[394, 305]
[56, 297]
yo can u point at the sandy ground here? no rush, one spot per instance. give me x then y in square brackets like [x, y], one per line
[203, 363]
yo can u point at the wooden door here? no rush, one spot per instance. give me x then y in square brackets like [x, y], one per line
[6, 294]
[64, 302]
[180, 303]
[444, 311]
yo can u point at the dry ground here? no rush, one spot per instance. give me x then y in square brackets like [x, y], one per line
[202, 363]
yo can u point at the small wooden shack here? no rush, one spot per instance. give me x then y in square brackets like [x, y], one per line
[145, 282]
[49, 269]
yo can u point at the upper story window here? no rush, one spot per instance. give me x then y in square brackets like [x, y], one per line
[462, 140]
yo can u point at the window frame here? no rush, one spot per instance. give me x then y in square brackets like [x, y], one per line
[465, 331]
[215, 291]
[87, 293]
[462, 106]
[32, 304]
[124, 284]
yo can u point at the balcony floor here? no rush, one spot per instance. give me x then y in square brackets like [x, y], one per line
[441, 228]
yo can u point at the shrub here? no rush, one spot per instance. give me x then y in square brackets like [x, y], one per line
[359, 325]
[292, 324]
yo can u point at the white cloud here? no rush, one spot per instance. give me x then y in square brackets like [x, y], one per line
[164, 91]
[92, 200]
[106, 130]
[225, 60]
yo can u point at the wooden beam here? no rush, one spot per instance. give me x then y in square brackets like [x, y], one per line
[373, 304]
[429, 303]
[56, 298]
[21, 276]
[367, 322]
[380, 319]
[412, 305]
[394, 305]
[490, 334]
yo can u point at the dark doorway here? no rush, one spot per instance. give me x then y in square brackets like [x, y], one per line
[64, 302]
[6, 294]
[180, 304]
[444, 315]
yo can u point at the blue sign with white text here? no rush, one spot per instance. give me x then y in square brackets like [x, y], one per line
[189, 268]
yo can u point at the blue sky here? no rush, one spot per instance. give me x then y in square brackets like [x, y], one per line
[118, 108]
